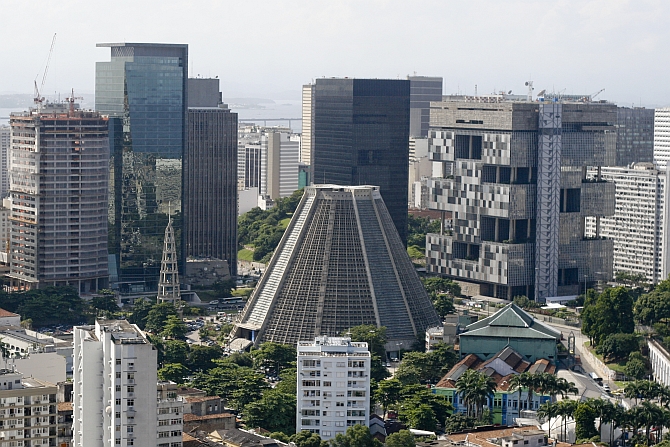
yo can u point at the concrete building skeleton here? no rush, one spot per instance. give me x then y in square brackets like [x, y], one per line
[513, 173]
[339, 264]
[58, 189]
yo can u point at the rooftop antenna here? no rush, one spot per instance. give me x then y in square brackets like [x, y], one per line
[529, 84]
[475, 89]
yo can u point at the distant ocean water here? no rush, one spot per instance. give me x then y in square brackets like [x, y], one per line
[278, 109]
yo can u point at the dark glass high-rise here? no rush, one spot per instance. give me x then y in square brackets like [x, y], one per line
[143, 89]
[361, 137]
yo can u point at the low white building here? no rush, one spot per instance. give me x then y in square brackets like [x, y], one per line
[660, 362]
[447, 333]
[333, 386]
[115, 399]
[8, 318]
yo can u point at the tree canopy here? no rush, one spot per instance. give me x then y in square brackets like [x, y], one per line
[607, 313]
[263, 229]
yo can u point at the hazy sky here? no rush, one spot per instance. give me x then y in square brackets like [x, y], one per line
[270, 48]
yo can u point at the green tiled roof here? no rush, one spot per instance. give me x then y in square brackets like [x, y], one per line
[511, 322]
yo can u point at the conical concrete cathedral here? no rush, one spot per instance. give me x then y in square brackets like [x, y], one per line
[340, 264]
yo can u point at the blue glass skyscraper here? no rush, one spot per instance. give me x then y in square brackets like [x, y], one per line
[143, 89]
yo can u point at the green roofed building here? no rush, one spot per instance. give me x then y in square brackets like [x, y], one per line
[510, 327]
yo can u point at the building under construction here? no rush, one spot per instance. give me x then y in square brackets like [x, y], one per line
[340, 264]
[58, 190]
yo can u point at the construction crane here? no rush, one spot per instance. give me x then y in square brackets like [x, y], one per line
[38, 99]
[71, 100]
[597, 93]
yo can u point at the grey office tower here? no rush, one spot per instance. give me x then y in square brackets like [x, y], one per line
[361, 137]
[210, 176]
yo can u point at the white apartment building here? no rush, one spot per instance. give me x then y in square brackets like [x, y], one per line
[115, 400]
[268, 159]
[638, 225]
[279, 164]
[5, 226]
[662, 137]
[307, 119]
[28, 414]
[333, 386]
[4, 160]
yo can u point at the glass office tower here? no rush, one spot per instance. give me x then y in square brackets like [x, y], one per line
[143, 90]
[361, 137]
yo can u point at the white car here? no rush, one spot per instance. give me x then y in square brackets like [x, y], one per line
[606, 388]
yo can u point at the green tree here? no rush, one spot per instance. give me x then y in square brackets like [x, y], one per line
[239, 385]
[458, 422]
[634, 369]
[158, 316]
[281, 437]
[654, 307]
[435, 284]
[307, 439]
[420, 417]
[549, 411]
[174, 328]
[443, 303]
[610, 312]
[173, 372]
[403, 438]
[418, 227]
[427, 366]
[175, 351]
[356, 436]
[585, 417]
[275, 411]
[201, 358]
[412, 396]
[51, 305]
[387, 394]
[288, 382]
[140, 312]
[474, 388]
[618, 346]
[105, 302]
[274, 357]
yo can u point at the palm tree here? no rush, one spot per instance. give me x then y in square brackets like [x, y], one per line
[566, 408]
[524, 380]
[563, 387]
[650, 415]
[632, 391]
[475, 388]
[548, 410]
